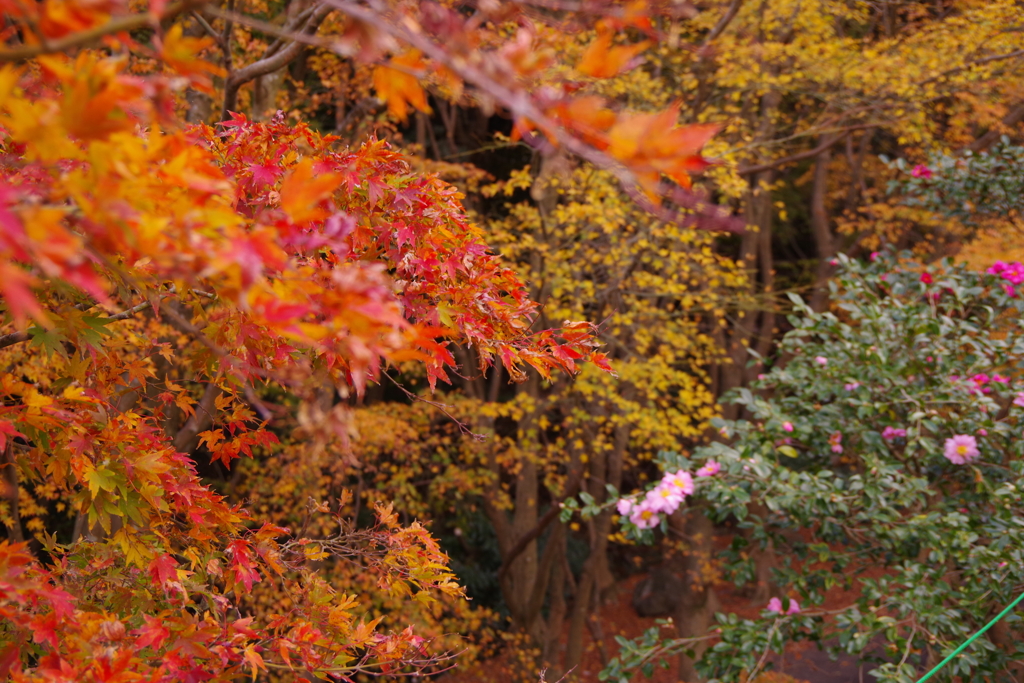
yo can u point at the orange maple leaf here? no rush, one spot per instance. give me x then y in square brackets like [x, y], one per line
[302, 192]
[181, 53]
[397, 85]
[603, 60]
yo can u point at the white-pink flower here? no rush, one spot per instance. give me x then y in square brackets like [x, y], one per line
[787, 426]
[821, 360]
[624, 506]
[644, 517]
[961, 449]
[679, 480]
[664, 498]
[710, 469]
[1019, 399]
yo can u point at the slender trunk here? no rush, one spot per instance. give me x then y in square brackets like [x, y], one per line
[605, 469]
[12, 494]
[699, 603]
[755, 253]
[823, 238]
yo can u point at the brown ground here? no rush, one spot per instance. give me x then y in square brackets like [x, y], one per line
[802, 662]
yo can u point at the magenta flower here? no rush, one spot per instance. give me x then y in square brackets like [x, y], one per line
[821, 360]
[710, 469]
[921, 171]
[787, 426]
[982, 432]
[926, 278]
[961, 449]
[1011, 272]
[851, 386]
[891, 433]
[874, 255]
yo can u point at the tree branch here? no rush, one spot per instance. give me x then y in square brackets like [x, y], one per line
[549, 516]
[723, 23]
[518, 103]
[1011, 119]
[277, 59]
[81, 38]
[18, 337]
[829, 143]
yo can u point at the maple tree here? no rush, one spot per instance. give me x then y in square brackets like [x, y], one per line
[169, 288]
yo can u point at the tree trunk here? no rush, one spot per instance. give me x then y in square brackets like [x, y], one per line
[823, 238]
[699, 602]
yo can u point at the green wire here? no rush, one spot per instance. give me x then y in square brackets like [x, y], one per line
[971, 639]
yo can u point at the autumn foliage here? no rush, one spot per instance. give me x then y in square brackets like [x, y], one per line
[314, 313]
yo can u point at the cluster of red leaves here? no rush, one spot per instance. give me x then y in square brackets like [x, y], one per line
[444, 276]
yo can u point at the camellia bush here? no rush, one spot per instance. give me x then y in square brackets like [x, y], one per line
[884, 456]
[966, 186]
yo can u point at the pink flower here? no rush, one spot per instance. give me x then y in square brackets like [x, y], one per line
[980, 378]
[834, 262]
[787, 426]
[999, 378]
[681, 481]
[982, 432]
[926, 278]
[821, 360]
[775, 605]
[851, 386]
[1010, 291]
[664, 498]
[921, 171]
[624, 506]
[710, 469]
[891, 433]
[874, 255]
[644, 517]
[996, 268]
[1019, 399]
[961, 449]
[836, 441]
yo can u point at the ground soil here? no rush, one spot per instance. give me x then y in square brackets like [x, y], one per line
[802, 662]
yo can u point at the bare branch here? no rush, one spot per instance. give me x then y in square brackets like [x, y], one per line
[723, 23]
[82, 38]
[277, 59]
[829, 142]
[988, 139]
